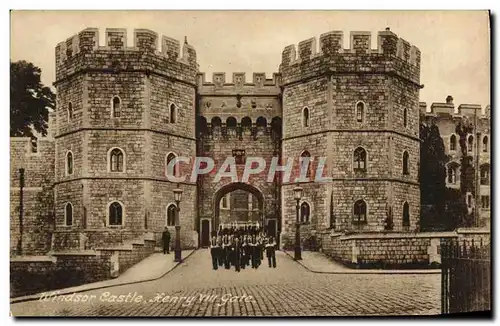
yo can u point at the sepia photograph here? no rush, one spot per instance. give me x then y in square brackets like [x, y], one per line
[251, 163]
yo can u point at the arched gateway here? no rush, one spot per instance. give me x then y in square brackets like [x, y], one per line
[235, 203]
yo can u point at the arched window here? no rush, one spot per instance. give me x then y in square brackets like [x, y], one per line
[68, 214]
[261, 122]
[173, 113]
[360, 111]
[470, 143]
[485, 174]
[171, 212]
[359, 211]
[115, 107]
[359, 159]
[305, 212]
[485, 144]
[405, 117]
[406, 215]
[406, 158]
[231, 122]
[171, 157]
[306, 160]
[69, 163]
[70, 111]
[216, 122]
[246, 123]
[452, 174]
[453, 143]
[116, 160]
[115, 216]
[305, 117]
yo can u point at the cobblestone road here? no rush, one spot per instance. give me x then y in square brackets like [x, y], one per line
[194, 289]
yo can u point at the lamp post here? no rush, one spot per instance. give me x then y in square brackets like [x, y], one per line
[177, 250]
[297, 191]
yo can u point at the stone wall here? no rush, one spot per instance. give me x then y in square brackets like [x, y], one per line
[63, 269]
[38, 195]
[386, 250]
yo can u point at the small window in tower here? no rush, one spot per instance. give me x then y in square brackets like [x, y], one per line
[406, 168]
[406, 216]
[70, 111]
[116, 107]
[359, 211]
[305, 117]
[171, 212]
[68, 214]
[116, 160]
[470, 143]
[360, 111]
[115, 214]
[359, 158]
[69, 163]
[405, 117]
[305, 212]
[173, 113]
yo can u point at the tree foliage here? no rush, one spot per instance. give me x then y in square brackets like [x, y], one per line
[432, 177]
[30, 100]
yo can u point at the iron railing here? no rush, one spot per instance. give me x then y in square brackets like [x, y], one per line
[465, 276]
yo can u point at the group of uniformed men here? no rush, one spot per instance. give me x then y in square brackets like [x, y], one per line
[241, 247]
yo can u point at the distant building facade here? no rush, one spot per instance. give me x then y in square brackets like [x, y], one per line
[444, 116]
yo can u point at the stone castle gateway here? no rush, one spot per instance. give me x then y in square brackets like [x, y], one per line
[99, 179]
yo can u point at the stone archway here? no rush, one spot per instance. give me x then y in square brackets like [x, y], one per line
[229, 188]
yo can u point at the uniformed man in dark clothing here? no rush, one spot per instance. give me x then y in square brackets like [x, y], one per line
[271, 252]
[236, 251]
[220, 251]
[255, 252]
[214, 251]
[166, 241]
[226, 245]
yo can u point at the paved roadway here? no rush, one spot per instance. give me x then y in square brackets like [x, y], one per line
[194, 289]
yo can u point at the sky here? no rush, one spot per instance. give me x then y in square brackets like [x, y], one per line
[455, 45]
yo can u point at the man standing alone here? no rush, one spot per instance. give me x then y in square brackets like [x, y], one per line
[166, 241]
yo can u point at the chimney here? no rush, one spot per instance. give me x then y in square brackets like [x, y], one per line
[388, 29]
[449, 99]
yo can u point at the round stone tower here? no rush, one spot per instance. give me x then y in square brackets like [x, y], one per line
[122, 113]
[358, 108]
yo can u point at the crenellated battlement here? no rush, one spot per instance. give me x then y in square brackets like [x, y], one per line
[259, 84]
[392, 54]
[447, 109]
[83, 50]
[238, 79]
